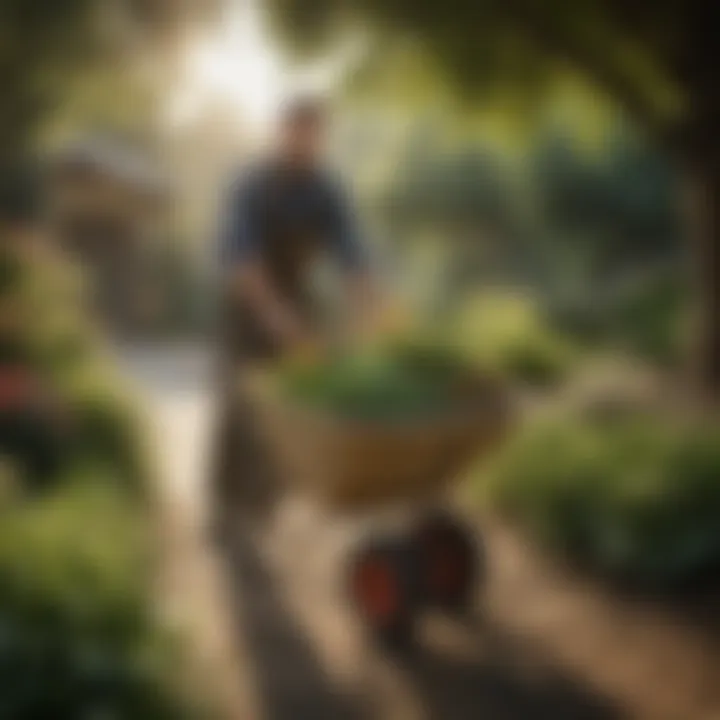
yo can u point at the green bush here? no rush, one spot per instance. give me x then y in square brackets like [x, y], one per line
[60, 344]
[106, 425]
[648, 318]
[76, 636]
[638, 497]
[506, 333]
[651, 320]
[59, 332]
[11, 272]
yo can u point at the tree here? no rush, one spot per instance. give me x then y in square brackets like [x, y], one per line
[48, 48]
[656, 59]
[615, 208]
[41, 46]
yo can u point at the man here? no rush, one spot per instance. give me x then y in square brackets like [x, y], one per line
[282, 215]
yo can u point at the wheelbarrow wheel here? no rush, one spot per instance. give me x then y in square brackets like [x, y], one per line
[382, 590]
[451, 563]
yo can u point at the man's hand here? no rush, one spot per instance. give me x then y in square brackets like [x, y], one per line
[393, 320]
[376, 316]
[307, 353]
[285, 328]
[273, 312]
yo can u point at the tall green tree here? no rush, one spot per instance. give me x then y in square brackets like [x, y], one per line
[47, 49]
[656, 59]
[42, 46]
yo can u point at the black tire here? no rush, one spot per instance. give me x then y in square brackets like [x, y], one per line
[382, 588]
[451, 563]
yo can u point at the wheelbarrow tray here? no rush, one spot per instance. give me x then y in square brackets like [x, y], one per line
[351, 464]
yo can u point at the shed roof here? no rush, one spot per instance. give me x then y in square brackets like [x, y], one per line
[114, 158]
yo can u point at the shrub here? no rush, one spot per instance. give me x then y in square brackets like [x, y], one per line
[60, 344]
[106, 426]
[638, 497]
[76, 636]
[650, 319]
[506, 333]
[77, 633]
[647, 317]
[8, 483]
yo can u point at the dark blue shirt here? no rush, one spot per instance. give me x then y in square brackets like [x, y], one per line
[267, 201]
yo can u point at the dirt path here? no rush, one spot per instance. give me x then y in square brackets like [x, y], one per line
[173, 382]
[272, 631]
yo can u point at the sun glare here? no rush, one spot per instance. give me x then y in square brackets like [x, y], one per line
[241, 67]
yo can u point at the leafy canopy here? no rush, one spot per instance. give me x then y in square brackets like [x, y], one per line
[632, 51]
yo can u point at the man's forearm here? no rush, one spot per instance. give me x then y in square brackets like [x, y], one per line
[253, 286]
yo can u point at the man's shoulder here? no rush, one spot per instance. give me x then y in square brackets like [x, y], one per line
[261, 175]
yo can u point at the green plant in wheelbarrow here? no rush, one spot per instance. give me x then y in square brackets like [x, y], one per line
[399, 380]
[378, 454]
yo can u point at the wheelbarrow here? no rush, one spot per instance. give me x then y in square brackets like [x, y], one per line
[392, 469]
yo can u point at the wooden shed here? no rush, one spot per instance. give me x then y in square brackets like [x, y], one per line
[110, 205]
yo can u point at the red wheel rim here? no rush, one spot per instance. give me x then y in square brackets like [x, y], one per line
[375, 589]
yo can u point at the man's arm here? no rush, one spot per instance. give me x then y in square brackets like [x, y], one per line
[243, 272]
[250, 282]
[350, 249]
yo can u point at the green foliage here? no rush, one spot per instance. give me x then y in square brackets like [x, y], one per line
[637, 497]
[494, 49]
[393, 382]
[67, 61]
[181, 283]
[648, 60]
[11, 273]
[8, 484]
[77, 638]
[45, 296]
[60, 343]
[462, 188]
[42, 45]
[63, 343]
[107, 427]
[592, 233]
[615, 207]
[651, 319]
[648, 318]
[506, 333]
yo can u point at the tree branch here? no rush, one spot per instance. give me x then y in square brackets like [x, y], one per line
[541, 30]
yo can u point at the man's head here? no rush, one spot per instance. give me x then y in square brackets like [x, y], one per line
[303, 123]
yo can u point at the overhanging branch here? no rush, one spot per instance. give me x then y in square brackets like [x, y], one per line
[540, 29]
